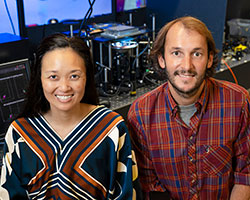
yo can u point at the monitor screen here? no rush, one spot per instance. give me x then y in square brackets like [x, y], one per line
[126, 5]
[39, 12]
[14, 78]
[5, 21]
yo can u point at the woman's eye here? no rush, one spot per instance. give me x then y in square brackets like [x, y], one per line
[52, 77]
[74, 76]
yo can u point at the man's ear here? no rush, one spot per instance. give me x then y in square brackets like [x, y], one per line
[210, 60]
[161, 62]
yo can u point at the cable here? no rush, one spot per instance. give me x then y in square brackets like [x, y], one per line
[87, 16]
[126, 79]
[137, 57]
[11, 22]
[148, 45]
[144, 77]
[235, 79]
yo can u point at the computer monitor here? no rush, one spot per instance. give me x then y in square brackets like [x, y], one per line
[7, 15]
[128, 5]
[14, 77]
[40, 12]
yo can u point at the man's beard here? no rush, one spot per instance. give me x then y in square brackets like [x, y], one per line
[192, 91]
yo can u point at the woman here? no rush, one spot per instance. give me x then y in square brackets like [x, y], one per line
[63, 145]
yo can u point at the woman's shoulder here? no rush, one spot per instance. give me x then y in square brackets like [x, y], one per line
[102, 108]
[108, 113]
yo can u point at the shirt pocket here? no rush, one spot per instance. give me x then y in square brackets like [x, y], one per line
[216, 160]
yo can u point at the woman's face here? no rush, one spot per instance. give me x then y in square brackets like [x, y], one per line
[63, 77]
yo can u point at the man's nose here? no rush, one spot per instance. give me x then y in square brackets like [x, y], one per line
[187, 62]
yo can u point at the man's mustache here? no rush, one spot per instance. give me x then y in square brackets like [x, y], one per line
[185, 72]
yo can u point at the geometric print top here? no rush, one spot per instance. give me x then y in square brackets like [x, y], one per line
[94, 161]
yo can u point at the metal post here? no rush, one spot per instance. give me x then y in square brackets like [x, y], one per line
[130, 19]
[21, 20]
[137, 56]
[153, 26]
[71, 30]
[110, 58]
[101, 62]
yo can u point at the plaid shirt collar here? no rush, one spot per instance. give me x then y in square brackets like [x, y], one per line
[200, 104]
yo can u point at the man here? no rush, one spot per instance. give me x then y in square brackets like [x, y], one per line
[192, 134]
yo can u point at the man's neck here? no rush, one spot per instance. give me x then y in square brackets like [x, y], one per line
[185, 100]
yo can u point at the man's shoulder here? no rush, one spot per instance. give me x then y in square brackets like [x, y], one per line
[148, 101]
[152, 95]
[230, 90]
[227, 86]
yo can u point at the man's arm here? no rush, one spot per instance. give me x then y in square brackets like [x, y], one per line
[241, 188]
[240, 192]
[147, 176]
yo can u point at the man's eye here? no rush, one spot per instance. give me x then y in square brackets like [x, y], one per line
[176, 53]
[197, 54]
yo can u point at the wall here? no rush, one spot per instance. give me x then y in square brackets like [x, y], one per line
[238, 9]
[211, 12]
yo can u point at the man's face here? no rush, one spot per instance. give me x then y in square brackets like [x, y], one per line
[186, 60]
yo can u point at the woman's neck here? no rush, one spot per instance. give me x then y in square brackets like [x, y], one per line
[64, 122]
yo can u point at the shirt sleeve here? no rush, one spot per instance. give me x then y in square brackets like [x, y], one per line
[242, 147]
[147, 175]
[127, 171]
[11, 186]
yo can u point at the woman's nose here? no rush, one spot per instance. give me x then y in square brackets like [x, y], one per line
[64, 84]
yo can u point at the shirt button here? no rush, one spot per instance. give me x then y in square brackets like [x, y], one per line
[191, 137]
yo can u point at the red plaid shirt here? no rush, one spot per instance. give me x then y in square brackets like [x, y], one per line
[200, 161]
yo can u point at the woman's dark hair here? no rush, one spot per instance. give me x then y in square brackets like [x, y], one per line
[36, 102]
[189, 23]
